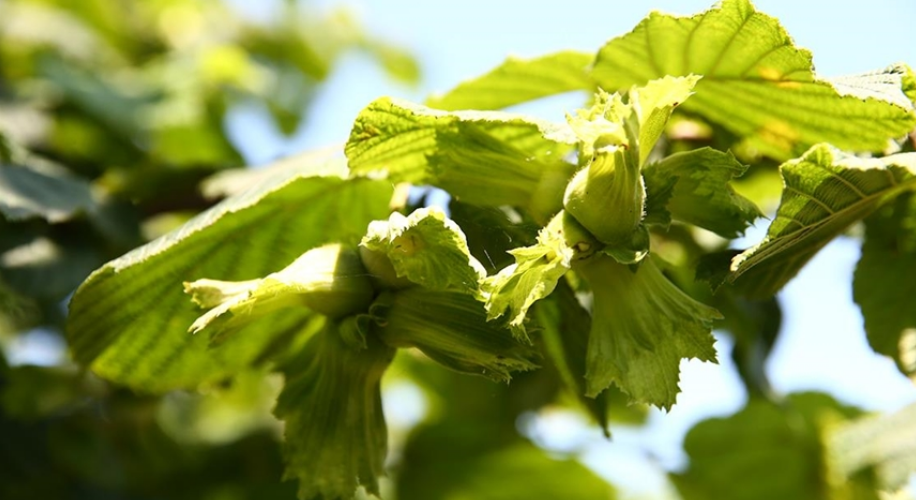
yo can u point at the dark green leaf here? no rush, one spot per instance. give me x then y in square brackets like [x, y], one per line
[31, 187]
[33, 392]
[565, 326]
[491, 233]
[884, 285]
[97, 96]
[48, 269]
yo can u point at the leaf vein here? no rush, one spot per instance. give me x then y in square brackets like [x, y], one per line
[743, 74]
[811, 197]
[728, 44]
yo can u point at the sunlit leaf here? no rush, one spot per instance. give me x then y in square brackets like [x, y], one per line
[129, 320]
[536, 270]
[329, 280]
[398, 137]
[701, 192]
[428, 249]
[757, 83]
[653, 105]
[519, 80]
[238, 180]
[335, 437]
[825, 192]
[642, 327]
[477, 168]
[398, 62]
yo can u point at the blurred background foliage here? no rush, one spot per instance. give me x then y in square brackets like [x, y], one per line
[113, 112]
[111, 115]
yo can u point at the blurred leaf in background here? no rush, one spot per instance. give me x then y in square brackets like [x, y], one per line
[112, 113]
[111, 116]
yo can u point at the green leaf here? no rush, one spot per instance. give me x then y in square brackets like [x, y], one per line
[238, 180]
[96, 95]
[44, 268]
[452, 329]
[399, 137]
[428, 249]
[653, 105]
[776, 452]
[335, 438]
[882, 443]
[885, 281]
[757, 84]
[329, 280]
[33, 187]
[129, 319]
[642, 326]
[397, 62]
[701, 192]
[33, 392]
[825, 191]
[518, 471]
[6, 150]
[536, 270]
[519, 80]
[224, 414]
[477, 168]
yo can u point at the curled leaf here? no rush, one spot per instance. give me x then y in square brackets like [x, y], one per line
[426, 248]
[536, 270]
